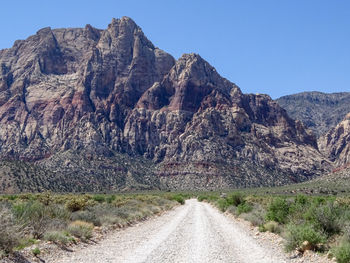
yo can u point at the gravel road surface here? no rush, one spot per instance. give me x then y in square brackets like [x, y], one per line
[194, 232]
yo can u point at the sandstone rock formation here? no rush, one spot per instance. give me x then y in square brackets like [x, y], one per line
[336, 143]
[112, 111]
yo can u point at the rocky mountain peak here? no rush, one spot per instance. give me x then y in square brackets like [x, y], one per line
[192, 67]
[125, 32]
[185, 87]
[88, 103]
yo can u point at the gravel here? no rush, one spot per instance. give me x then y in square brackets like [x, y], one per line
[194, 232]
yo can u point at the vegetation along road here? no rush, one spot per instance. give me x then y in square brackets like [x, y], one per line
[194, 232]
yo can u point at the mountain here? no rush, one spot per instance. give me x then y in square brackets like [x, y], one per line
[318, 111]
[336, 143]
[84, 109]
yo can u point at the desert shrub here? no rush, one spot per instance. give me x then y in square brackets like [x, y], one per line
[33, 216]
[319, 200]
[27, 197]
[59, 212]
[45, 198]
[76, 204]
[342, 252]
[272, 227]
[278, 210]
[99, 198]
[244, 208]
[178, 198]
[154, 209]
[207, 197]
[106, 214]
[123, 212]
[110, 199]
[297, 234]
[58, 237]
[81, 229]
[222, 204]
[202, 197]
[11, 197]
[235, 199]
[346, 232]
[25, 242]
[326, 216]
[256, 216]
[88, 215]
[301, 200]
[36, 251]
[232, 210]
[162, 203]
[9, 232]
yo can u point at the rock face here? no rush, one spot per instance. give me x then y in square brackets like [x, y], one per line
[318, 111]
[108, 108]
[336, 143]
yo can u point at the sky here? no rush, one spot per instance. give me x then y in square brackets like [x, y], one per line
[277, 47]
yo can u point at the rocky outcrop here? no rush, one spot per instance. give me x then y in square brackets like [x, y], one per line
[336, 143]
[72, 100]
[318, 111]
[73, 88]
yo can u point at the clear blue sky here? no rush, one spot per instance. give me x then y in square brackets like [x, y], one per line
[277, 47]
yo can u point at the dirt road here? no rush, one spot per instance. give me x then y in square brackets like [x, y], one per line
[194, 232]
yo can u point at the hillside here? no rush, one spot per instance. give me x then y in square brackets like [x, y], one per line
[318, 111]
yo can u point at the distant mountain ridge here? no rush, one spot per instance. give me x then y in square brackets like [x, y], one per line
[85, 109]
[318, 111]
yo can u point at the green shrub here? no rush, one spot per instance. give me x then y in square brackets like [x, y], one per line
[325, 216]
[278, 210]
[11, 197]
[110, 199]
[244, 208]
[328, 217]
[9, 232]
[33, 216]
[57, 237]
[235, 199]
[301, 199]
[222, 204]
[342, 252]
[99, 198]
[297, 234]
[178, 198]
[36, 251]
[272, 227]
[202, 197]
[318, 200]
[81, 229]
